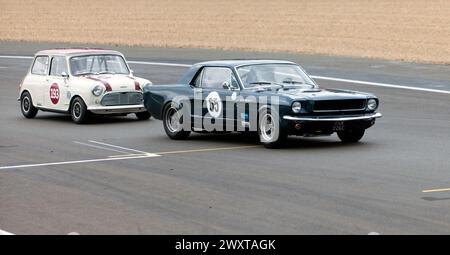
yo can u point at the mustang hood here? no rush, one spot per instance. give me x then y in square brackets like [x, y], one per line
[321, 94]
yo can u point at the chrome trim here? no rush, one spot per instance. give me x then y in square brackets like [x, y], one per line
[322, 118]
[346, 110]
[105, 94]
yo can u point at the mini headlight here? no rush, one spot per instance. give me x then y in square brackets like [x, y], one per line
[372, 104]
[97, 90]
[296, 107]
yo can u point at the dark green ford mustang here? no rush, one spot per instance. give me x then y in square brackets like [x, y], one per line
[271, 98]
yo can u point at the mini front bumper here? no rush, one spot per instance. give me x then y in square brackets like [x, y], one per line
[334, 118]
[118, 109]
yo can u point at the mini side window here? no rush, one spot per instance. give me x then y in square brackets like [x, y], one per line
[40, 65]
[58, 66]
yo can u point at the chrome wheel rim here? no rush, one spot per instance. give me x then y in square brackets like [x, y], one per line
[267, 127]
[173, 120]
[26, 104]
[76, 110]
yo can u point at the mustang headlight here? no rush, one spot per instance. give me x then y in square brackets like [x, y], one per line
[296, 107]
[97, 90]
[372, 104]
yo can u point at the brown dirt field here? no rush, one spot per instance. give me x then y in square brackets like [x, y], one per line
[410, 30]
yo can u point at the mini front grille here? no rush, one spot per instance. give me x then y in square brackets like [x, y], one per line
[122, 98]
[339, 105]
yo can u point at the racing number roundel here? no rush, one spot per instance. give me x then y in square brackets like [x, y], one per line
[54, 93]
[214, 104]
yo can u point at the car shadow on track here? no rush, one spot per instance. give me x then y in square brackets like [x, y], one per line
[291, 143]
[431, 199]
[93, 120]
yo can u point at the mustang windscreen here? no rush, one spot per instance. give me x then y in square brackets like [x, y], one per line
[274, 74]
[98, 64]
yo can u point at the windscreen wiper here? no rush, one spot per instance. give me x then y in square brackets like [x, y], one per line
[105, 72]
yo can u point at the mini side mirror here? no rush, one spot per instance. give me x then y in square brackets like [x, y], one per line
[65, 75]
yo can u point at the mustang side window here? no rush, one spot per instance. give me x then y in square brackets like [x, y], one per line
[40, 65]
[58, 66]
[215, 77]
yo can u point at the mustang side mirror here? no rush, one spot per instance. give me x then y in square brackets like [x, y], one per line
[132, 72]
[65, 75]
[226, 85]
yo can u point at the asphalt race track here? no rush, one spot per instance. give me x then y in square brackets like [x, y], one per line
[57, 177]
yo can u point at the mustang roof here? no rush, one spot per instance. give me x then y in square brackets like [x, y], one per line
[76, 51]
[189, 75]
[234, 63]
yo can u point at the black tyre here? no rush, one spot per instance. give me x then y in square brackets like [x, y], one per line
[173, 123]
[26, 105]
[351, 135]
[143, 115]
[270, 132]
[78, 111]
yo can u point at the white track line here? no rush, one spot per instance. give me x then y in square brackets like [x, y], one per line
[386, 85]
[158, 63]
[16, 57]
[148, 155]
[119, 147]
[4, 233]
[99, 147]
[380, 84]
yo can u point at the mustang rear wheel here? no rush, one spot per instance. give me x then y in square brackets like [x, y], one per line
[173, 123]
[270, 133]
[78, 111]
[351, 135]
[143, 115]
[26, 105]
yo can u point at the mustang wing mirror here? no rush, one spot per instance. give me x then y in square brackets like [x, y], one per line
[65, 75]
[226, 85]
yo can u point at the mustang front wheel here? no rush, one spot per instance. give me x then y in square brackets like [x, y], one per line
[173, 123]
[270, 133]
[26, 105]
[351, 135]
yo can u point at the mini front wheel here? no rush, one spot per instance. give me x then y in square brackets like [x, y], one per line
[78, 111]
[143, 115]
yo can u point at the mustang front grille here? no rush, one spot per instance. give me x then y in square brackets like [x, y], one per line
[339, 105]
[122, 98]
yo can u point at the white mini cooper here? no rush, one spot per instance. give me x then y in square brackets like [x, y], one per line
[82, 81]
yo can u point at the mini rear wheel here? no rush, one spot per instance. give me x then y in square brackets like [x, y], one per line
[351, 135]
[173, 123]
[143, 115]
[26, 105]
[78, 111]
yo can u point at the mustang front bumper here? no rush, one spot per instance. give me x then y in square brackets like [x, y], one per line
[117, 109]
[326, 125]
[335, 118]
